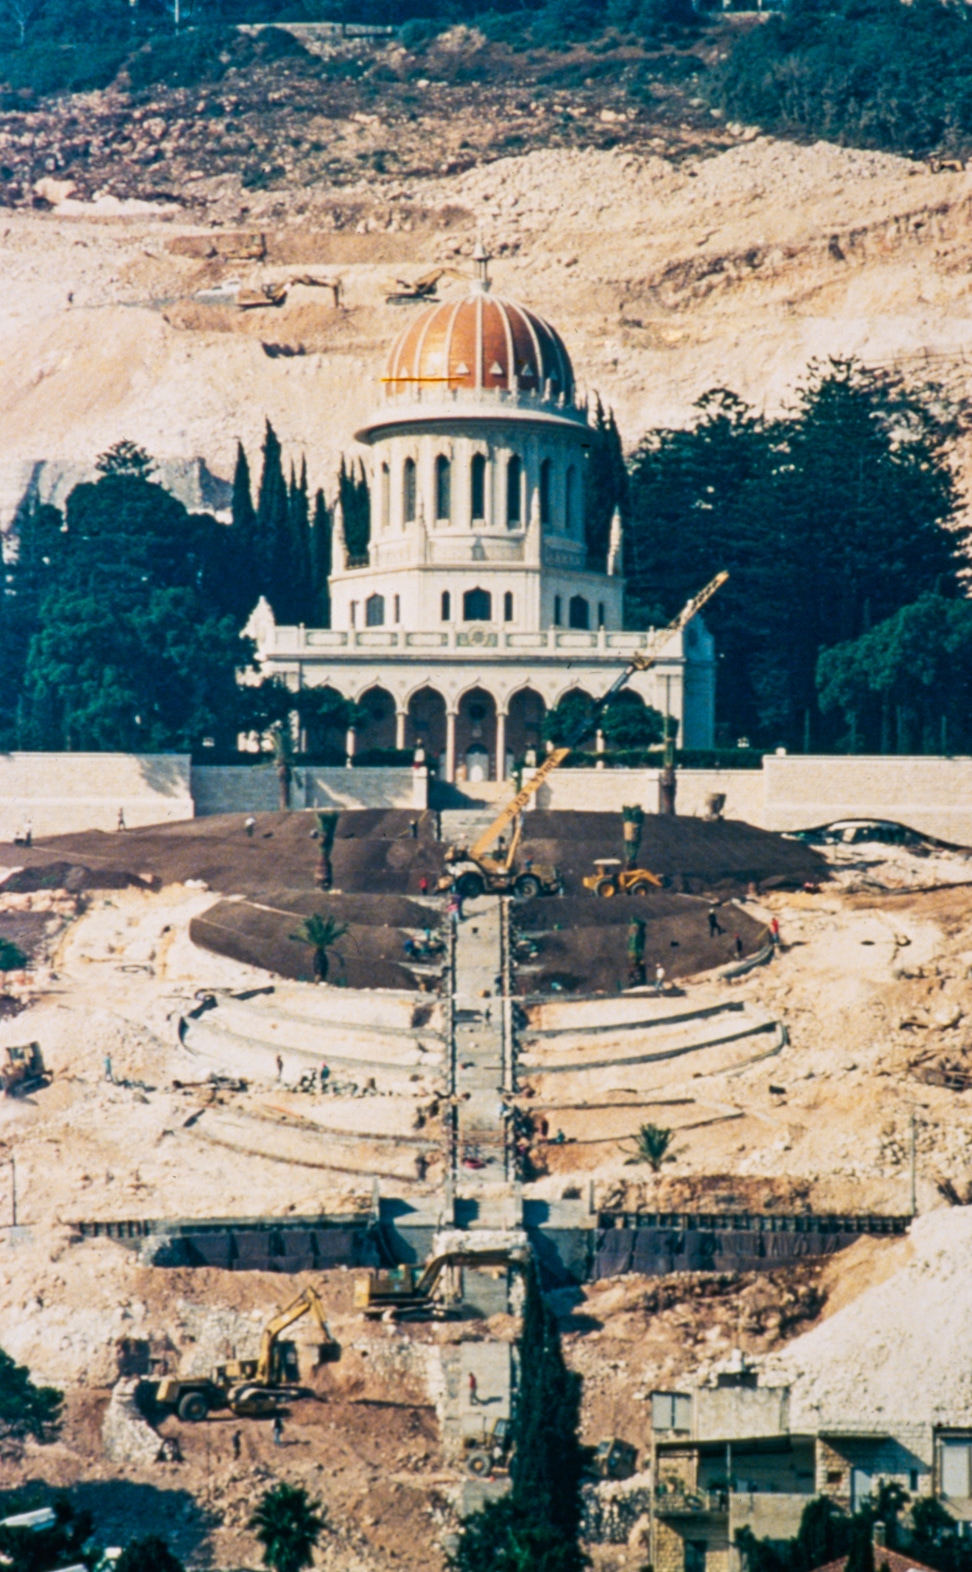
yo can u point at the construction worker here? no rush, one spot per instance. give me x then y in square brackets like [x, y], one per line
[738, 946]
[109, 1076]
[277, 1430]
[279, 1068]
[423, 885]
[659, 978]
[325, 1075]
[249, 825]
[121, 819]
[774, 929]
[714, 925]
[237, 1444]
[473, 1388]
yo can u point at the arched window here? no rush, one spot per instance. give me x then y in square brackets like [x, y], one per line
[446, 606]
[443, 487]
[514, 512]
[579, 613]
[546, 473]
[375, 611]
[570, 500]
[385, 484]
[478, 486]
[408, 491]
[508, 606]
[477, 606]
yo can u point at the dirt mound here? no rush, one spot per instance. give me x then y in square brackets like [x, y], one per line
[370, 955]
[693, 855]
[581, 942]
[374, 851]
[71, 876]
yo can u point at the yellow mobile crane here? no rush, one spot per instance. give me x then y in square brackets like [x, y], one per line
[248, 1387]
[475, 871]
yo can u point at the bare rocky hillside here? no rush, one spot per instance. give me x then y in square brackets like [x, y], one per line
[675, 254]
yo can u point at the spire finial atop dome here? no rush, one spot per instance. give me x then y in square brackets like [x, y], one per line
[482, 259]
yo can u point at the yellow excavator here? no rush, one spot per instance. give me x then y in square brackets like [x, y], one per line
[250, 1388]
[401, 1290]
[477, 871]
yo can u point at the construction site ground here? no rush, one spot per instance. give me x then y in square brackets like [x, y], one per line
[790, 1087]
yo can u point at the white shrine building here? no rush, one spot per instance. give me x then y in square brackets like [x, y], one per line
[476, 609]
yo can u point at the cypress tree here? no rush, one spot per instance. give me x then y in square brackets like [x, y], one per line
[240, 561]
[606, 480]
[320, 563]
[538, 1524]
[271, 526]
[353, 491]
[548, 1460]
[300, 596]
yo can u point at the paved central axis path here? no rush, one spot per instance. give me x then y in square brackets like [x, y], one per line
[483, 1158]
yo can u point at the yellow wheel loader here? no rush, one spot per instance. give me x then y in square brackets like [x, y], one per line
[610, 879]
[250, 1388]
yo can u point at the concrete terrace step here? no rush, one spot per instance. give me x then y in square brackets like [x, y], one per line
[650, 1047]
[234, 1053]
[281, 1029]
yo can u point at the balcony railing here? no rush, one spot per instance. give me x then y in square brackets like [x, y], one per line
[672, 1502]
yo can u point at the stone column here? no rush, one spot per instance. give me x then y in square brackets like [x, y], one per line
[350, 742]
[501, 745]
[400, 718]
[450, 748]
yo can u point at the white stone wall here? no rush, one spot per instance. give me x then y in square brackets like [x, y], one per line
[931, 795]
[241, 788]
[608, 791]
[61, 792]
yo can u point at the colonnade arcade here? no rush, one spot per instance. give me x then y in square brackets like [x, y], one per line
[473, 738]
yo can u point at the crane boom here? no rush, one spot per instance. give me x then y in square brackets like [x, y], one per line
[638, 662]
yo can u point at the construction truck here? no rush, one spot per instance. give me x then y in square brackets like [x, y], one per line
[490, 1452]
[23, 1070]
[609, 878]
[410, 1290]
[250, 1388]
[404, 290]
[614, 1459]
[475, 870]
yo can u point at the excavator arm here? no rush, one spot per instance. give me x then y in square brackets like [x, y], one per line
[639, 663]
[307, 1301]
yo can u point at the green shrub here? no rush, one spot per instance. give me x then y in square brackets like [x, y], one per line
[50, 68]
[181, 60]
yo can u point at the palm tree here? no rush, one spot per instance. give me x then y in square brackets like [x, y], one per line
[653, 1145]
[283, 759]
[288, 1525]
[322, 934]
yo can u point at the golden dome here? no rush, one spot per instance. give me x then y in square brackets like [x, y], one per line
[480, 342]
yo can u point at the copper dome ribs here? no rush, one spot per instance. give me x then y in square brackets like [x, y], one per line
[481, 342]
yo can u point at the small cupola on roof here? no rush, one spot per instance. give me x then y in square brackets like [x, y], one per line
[481, 343]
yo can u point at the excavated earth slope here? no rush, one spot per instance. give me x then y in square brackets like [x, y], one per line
[669, 272]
